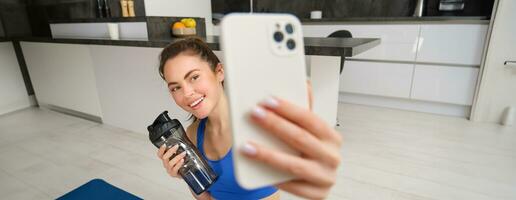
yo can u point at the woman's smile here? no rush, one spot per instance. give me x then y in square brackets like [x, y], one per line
[197, 103]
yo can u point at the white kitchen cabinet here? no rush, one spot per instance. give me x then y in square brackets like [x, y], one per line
[422, 67]
[398, 41]
[62, 75]
[452, 43]
[131, 91]
[377, 78]
[445, 84]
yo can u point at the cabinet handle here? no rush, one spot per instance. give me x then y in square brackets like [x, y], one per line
[509, 63]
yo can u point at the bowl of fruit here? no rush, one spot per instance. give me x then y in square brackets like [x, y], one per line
[184, 28]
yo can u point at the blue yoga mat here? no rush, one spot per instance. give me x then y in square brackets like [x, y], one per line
[98, 189]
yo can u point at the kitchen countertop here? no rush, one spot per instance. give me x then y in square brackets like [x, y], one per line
[313, 45]
[110, 19]
[395, 20]
[98, 20]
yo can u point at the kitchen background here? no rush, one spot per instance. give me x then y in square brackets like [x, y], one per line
[351, 8]
[418, 40]
[30, 17]
[455, 64]
[418, 75]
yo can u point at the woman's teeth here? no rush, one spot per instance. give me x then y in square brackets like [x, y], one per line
[196, 102]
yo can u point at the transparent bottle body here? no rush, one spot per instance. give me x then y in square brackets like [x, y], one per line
[195, 170]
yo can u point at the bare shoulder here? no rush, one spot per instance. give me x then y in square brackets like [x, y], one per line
[191, 132]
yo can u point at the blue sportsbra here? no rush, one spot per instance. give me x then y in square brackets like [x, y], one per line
[226, 186]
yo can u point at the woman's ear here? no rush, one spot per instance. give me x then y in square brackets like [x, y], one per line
[219, 72]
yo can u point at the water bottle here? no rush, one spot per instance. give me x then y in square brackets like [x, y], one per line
[195, 170]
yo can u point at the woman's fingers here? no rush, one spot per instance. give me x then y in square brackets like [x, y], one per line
[161, 151]
[297, 166]
[174, 165]
[296, 137]
[302, 117]
[310, 93]
[168, 154]
[304, 189]
[176, 168]
[171, 165]
[176, 159]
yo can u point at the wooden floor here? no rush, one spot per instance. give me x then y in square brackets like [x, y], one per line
[387, 154]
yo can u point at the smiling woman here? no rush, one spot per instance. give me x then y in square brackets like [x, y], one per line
[195, 77]
[194, 58]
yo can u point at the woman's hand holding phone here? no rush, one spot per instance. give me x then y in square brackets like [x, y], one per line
[319, 144]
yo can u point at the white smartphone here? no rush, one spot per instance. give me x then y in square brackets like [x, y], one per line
[263, 57]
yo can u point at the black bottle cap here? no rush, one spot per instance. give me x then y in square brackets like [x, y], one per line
[161, 126]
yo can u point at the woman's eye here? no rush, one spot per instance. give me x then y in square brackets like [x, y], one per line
[195, 77]
[175, 89]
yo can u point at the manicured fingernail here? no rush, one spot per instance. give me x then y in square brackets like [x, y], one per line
[249, 149]
[271, 102]
[259, 112]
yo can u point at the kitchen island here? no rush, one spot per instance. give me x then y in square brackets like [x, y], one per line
[117, 81]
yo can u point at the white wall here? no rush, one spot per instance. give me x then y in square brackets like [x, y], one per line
[181, 8]
[497, 89]
[13, 94]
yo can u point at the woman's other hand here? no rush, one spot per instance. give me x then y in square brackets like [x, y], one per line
[172, 165]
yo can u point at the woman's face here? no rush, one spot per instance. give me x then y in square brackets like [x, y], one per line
[193, 85]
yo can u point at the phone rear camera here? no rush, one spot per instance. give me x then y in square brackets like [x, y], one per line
[278, 36]
[289, 28]
[291, 44]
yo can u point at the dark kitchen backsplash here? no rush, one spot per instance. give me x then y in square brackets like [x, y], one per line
[471, 8]
[2, 34]
[80, 9]
[40, 11]
[346, 8]
[14, 17]
[227, 6]
[158, 28]
[330, 8]
[340, 8]
[30, 17]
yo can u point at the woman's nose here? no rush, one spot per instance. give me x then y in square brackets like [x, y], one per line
[188, 90]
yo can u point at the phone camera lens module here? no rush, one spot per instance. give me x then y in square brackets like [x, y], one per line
[278, 36]
[289, 28]
[291, 44]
